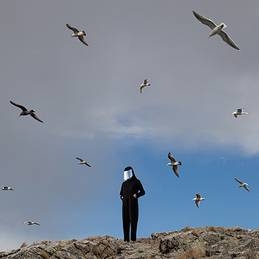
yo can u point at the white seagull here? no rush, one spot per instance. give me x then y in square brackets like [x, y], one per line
[82, 161]
[216, 29]
[76, 33]
[30, 223]
[174, 164]
[7, 188]
[239, 112]
[242, 184]
[26, 111]
[145, 83]
[198, 199]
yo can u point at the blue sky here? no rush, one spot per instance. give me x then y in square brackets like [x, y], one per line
[89, 99]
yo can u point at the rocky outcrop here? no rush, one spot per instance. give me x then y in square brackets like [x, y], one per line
[188, 243]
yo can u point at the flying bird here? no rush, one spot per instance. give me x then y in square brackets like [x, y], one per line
[145, 83]
[7, 188]
[26, 111]
[242, 184]
[79, 34]
[239, 112]
[198, 199]
[216, 29]
[82, 161]
[30, 223]
[174, 164]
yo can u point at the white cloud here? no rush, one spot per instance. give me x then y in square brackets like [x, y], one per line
[195, 115]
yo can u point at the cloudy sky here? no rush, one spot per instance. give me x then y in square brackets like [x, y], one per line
[89, 99]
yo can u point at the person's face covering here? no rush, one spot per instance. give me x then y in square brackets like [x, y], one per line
[127, 175]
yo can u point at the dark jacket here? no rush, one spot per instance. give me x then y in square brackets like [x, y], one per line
[130, 187]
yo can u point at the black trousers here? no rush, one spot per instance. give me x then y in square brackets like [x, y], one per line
[130, 218]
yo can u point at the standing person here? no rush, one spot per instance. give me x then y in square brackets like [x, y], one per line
[131, 190]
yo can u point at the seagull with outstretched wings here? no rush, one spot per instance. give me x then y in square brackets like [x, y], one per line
[197, 199]
[25, 111]
[79, 34]
[7, 188]
[173, 163]
[239, 112]
[242, 184]
[30, 223]
[216, 29]
[83, 162]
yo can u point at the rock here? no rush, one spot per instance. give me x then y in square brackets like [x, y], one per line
[188, 243]
[167, 245]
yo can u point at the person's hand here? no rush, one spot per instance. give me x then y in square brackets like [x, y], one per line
[135, 196]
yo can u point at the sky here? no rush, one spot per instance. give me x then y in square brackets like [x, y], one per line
[89, 100]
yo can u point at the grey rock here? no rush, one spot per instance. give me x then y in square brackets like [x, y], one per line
[188, 243]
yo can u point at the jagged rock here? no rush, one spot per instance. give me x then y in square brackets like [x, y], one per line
[188, 243]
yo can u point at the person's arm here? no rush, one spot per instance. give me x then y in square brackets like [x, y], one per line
[121, 193]
[141, 190]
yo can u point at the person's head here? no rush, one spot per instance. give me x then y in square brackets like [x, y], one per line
[128, 173]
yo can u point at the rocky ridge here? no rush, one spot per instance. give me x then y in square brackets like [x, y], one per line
[188, 243]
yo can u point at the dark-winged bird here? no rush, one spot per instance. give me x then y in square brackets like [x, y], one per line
[79, 34]
[83, 162]
[197, 199]
[174, 164]
[242, 184]
[26, 111]
[144, 84]
[30, 223]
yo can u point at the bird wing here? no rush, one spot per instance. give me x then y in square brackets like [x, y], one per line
[18, 105]
[141, 88]
[197, 203]
[36, 223]
[75, 30]
[88, 164]
[205, 20]
[80, 159]
[175, 169]
[238, 180]
[171, 158]
[228, 40]
[33, 115]
[235, 115]
[81, 38]
[246, 187]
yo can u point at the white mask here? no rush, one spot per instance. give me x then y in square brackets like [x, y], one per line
[127, 175]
